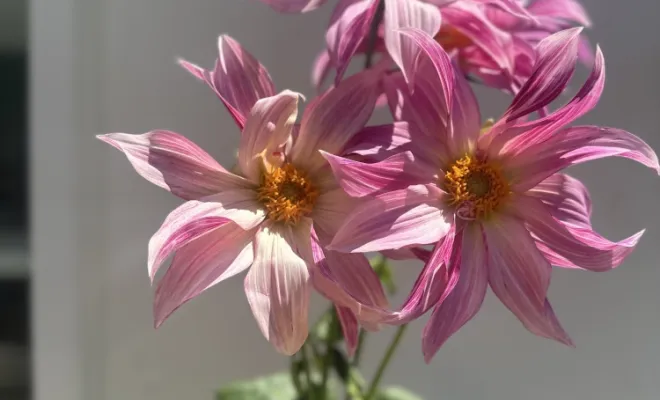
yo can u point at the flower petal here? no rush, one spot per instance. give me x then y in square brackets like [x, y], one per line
[408, 14]
[466, 298]
[397, 172]
[277, 287]
[436, 281]
[349, 26]
[333, 118]
[465, 118]
[171, 161]
[330, 211]
[320, 70]
[573, 146]
[349, 327]
[200, 264]
[557, 56]
[267, 128]
[566, 198]
[519, 276]
[568, 10]
[580, 246]
[378, 142]
[194, 219]
[294, 6]
[237, 78]
[393, 220]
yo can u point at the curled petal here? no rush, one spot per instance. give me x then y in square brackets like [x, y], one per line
[424, 18]
[267, 129]
[321, 69]
[333, 118]
[379, 141]
[238, 78]
[200, 264]
[576, 145]
[349, 327]
[194, 219]
[519, 276]
[397, 172]
[557, 56]
[466, 298]
[174, 163]
[566, 198]
[277, 287]
[412, 216]
[294, 6]
[581, 246]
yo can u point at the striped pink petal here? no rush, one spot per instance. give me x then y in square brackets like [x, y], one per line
[333, 118]
[238, 78]
[519, 276]
[267, 128]
[394, 220]
[278, 287]
[397, 172]
[378, 142]
[195, 218]
[566, 198]
[174, 163]
[200, 264]
[411, 14]
[581, 246]
[466, 298]
[349, 327]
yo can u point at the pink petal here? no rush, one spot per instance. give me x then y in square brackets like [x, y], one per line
[408, 253]
[321, 68]
[333, 118]
[349, 26]
[200, 264]
[519, 276]
[566, 198]
[349, 327]
[538, 131]
[435, 282]
[294, 6]
[331, 209]
[378, 142]
[267, 128]
[580, 246]
[434, 58]
[465, 300]
[412, 216]
[174, 163]
[277, 287]
[238, 78]
[576, 145]
[465, 118]
[194, 219]
[424, 18]
[557, 56]
[397, 172]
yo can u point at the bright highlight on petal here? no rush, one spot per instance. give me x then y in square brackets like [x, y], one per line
[287, 194]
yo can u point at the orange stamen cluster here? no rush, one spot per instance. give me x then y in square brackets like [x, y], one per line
[287, 194]
[451, 38]
[475, 187]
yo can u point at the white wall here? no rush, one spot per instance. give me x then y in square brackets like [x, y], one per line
[109, 65]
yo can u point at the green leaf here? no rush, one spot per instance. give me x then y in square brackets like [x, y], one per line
[340, 363]
[396, 393]
[278, 386]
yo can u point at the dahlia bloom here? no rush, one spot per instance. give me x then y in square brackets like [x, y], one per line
[491, 40]
[274, 211]
[491, 200]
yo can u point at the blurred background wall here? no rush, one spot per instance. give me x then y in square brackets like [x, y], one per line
[109, 66]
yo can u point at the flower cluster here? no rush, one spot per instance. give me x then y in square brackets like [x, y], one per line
[480, 203]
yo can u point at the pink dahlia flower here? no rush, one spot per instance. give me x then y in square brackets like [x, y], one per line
[492, 200]
[275, 211]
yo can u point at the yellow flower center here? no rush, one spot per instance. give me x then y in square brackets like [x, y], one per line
[287, 193]
[475, 187]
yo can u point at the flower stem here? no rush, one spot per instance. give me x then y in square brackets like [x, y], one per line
[358, 350]
[384, 362]
[330, 341]
[373, 33]
[308, 373]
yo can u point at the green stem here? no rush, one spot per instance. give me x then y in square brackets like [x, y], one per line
[357, 357]
[373, 33]
[308, 372]
[384, 362]
[329, 344]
